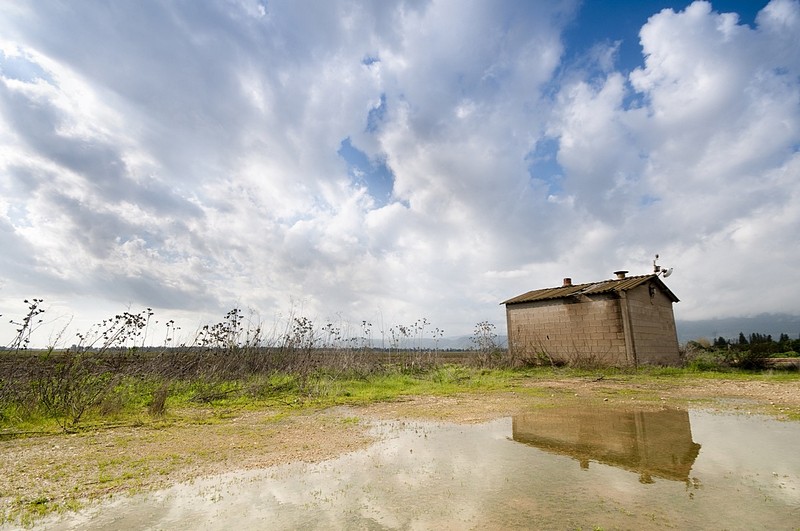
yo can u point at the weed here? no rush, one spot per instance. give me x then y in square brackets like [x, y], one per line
[71, 385]
[159, 404]
[27, 325]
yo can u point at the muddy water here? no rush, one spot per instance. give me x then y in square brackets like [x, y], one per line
[553, 469]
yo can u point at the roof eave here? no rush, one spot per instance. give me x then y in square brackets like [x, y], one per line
[606, 286]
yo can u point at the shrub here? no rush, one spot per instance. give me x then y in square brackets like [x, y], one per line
[71, 385]
[753, 359]
[158, 407]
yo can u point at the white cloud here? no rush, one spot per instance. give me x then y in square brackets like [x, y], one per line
[692, 171]
[189, 160]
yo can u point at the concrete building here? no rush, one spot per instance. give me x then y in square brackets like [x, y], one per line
[626, 321]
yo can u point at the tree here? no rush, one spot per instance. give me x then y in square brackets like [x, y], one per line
[742, 339]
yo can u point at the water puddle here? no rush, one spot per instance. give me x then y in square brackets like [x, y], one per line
[545, 469]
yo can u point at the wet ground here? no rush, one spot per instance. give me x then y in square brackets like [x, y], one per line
[557, 468]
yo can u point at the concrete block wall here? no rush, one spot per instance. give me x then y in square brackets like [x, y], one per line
[566, 331]
[654, 334]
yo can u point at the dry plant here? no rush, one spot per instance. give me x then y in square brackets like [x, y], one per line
[27, 325]
[220, 360]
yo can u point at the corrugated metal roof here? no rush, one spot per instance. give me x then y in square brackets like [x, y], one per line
[592, 288]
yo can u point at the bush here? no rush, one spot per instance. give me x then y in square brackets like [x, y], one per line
[753, 359]
[71, 385]
[706, 361]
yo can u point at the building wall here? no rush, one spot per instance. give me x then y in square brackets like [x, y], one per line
[655, 337]
[568, 331]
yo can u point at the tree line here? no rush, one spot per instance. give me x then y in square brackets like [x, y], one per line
[759, 343]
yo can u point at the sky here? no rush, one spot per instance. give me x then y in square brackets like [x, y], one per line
[392, 161]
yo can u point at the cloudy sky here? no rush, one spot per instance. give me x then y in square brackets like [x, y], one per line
[396, 160]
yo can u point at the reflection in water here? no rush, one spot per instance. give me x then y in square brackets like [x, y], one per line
[423, 475]
[651, 443]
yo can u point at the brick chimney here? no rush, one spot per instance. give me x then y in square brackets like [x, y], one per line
[620, 274]
[567, 282]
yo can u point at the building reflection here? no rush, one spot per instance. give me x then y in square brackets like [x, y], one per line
[650, 443]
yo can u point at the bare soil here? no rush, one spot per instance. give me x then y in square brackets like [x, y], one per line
[41, 474]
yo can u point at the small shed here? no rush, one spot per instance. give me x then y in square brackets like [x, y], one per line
[625, 321]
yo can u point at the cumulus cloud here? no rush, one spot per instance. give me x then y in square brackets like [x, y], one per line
[190, 158]
[693, 148]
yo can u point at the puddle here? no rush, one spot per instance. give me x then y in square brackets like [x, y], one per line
[546, 469]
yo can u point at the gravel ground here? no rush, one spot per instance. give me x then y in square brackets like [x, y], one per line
[61, 472]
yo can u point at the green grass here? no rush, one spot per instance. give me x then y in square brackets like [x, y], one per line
[128, 402]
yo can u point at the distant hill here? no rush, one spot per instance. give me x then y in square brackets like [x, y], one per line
[773, 324]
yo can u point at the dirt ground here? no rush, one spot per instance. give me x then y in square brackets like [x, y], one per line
[62, 472]
[779, 399]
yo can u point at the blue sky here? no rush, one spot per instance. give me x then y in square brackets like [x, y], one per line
[393, 161]
[600, 21]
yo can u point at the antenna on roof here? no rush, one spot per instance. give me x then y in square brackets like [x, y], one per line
[658, 270]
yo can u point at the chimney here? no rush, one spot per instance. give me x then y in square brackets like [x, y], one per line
[567, 282]
[620, 274]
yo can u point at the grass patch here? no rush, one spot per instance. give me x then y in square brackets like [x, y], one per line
[158, 402]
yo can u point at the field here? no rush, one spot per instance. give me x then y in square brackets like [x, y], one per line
[145, 429]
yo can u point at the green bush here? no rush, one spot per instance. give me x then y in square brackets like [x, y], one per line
[753, 359]
[709, 361]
